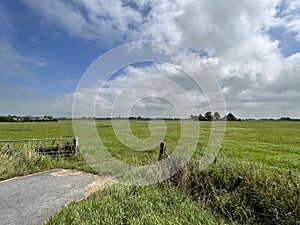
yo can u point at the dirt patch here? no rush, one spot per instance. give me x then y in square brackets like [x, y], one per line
[100, 181]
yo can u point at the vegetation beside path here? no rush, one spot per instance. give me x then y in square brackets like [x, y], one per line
[136, 205]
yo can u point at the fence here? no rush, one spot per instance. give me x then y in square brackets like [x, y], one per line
[49, 146]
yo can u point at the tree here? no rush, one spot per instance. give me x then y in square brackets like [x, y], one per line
[4, 119]
[50, 118]
[194, 117]
[27, 119]
[208, 116]
[285, 118]
[201, 117]
[217, 115]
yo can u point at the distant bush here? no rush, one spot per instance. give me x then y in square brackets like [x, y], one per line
[27, 119]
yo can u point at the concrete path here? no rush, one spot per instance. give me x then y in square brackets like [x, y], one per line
[33, 199]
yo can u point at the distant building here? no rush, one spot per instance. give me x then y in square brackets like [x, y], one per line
[230, 117]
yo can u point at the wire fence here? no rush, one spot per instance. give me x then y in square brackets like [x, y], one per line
[64, 147]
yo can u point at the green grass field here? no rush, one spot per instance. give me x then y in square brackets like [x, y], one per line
[265, 153]
[269, 143]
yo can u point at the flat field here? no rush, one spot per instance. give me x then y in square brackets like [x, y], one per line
[270, 143]
[263, 155]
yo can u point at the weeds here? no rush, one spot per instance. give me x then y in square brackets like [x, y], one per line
[27, 161]
[263, 196]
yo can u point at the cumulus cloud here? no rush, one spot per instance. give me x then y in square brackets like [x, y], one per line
[154, 90]
[290, 76]
[223, 26]
[231, 36]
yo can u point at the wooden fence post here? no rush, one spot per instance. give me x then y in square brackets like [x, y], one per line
[75, 140]
[163, 151]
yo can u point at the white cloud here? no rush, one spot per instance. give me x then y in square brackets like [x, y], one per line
[288, 17]
[155, 90]
[222, 26]
[107, 21]
[233, 35]
[294, 26]
[290, 76]
[61, 13]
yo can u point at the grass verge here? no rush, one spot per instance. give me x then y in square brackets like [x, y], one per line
[27, 162]
[136, 205]
[245, 192]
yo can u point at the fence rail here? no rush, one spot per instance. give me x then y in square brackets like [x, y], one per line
[45, 139]
[59, 147]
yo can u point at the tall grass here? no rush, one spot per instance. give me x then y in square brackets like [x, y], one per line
[243, 191]
[27, 161]
[136, 205]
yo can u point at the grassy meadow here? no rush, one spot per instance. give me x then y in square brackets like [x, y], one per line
[264, 154]
[269, 143]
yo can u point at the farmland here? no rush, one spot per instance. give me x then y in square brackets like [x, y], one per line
[268, 143]
[265, 154]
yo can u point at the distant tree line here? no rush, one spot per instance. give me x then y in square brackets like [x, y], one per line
[10, 118]
[209, 116]
[282, 119]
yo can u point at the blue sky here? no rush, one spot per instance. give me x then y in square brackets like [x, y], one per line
[47, 45]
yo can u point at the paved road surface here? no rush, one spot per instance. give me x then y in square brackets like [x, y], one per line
[32, 199]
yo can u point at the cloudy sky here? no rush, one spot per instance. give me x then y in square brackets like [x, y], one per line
[251, 47]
